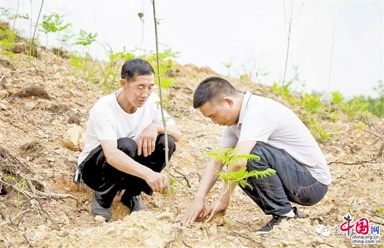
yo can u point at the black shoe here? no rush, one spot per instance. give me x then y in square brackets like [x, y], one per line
[275, 221]
[97, 209]
[134, 203]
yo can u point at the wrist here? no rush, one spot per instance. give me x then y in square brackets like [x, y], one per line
[224, 199]
[199, 197]
[159, 127]
[147, 174]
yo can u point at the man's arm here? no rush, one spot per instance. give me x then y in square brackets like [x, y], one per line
[172, 130]
[222, 204]
[121, 161]
[147, 141]
[241, 148]
[209, 178]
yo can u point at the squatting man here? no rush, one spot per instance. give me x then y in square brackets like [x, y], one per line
[263, 127]
[125, 142]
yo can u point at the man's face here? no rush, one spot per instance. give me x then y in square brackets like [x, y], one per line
[138, 90]
[219, 112]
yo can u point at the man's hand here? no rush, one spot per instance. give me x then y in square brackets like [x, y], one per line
[147, 141]
[196, 211]
[157, 181]
[218, 206]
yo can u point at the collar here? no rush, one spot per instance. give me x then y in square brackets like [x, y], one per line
[244, 104]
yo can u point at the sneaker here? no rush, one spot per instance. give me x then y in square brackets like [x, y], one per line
[97, 209]
[134, 203]
[275, 221]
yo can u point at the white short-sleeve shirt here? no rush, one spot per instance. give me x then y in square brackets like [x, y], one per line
[265, 120]
[108, 121]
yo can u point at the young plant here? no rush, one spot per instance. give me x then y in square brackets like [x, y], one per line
[85, 39]
[53, 23]
[337, 97]
[355, 108]
[240, 177]
[228, 157]
[81, 61]
[320, 134]
[311, 103]
[284, 92]
[167, 164]
[165, 65]
[20, 184]
[7, 38]
[228, 65]
[171, 181]
[110, 70]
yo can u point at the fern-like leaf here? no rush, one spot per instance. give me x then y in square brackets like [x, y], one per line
[241, 176]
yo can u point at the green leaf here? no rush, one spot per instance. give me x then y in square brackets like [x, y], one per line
[240, 177]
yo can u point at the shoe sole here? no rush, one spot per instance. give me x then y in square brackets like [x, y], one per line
[262, 232]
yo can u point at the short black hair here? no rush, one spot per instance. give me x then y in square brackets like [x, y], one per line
[211, 88]
[135, 67]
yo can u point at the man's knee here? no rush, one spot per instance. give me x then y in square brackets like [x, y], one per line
[127, 145]
[310, 195]
[261, 162]
[171, 142]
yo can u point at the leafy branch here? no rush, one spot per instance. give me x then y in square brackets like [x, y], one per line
[228, 156]
[240, 177]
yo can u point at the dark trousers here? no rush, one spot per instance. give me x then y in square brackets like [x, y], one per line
[291, 183]
[107, 181]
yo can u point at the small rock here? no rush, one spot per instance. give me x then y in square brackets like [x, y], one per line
[73, 138]
[29, 105]
[165, 216]
[213, 230]
[99, 218]
[74, 119]
[50, 159]
[3, 105]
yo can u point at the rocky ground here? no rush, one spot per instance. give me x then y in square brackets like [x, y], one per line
[43, 110]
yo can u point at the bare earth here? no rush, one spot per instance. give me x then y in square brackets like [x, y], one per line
[34, 144]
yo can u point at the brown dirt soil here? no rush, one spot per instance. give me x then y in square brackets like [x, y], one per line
[40, 100]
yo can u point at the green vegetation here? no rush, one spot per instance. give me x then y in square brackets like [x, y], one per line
[375, 105]
[379, 211]
[337, 98]
[311, 103]
[311, 109]
[172, 188]
[105, 74]
[229, 157]
[7, 38]
[165, 65]
[19, 183]
[53, 23]
[282, 91]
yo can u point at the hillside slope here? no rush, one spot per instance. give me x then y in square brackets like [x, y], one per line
[40, 100]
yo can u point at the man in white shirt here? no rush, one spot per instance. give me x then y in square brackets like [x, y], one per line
[263, 127]
[125, 142]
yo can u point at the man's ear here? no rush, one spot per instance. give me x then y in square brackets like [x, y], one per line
[123, 82]
[228, 101]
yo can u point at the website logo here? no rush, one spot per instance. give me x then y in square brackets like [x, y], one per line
[360, 231]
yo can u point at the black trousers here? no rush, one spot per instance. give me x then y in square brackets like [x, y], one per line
[106, 180]
[291, 183]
